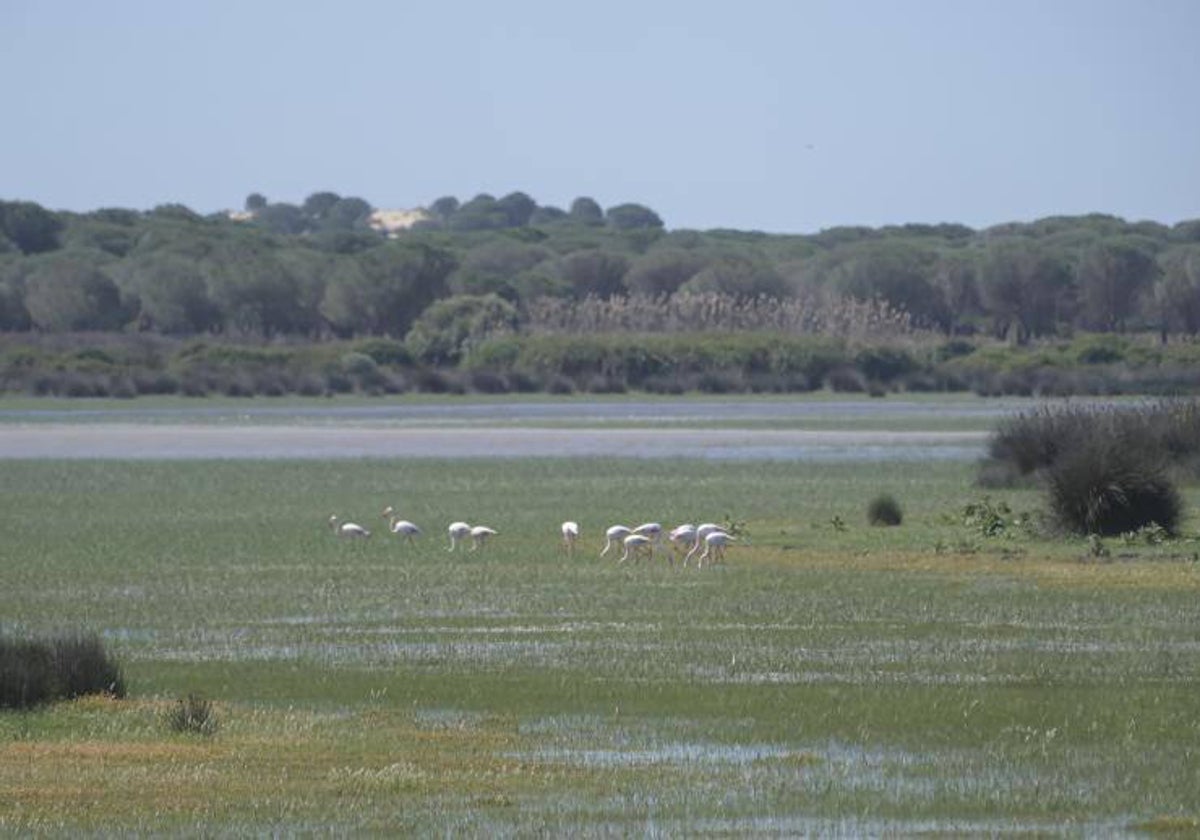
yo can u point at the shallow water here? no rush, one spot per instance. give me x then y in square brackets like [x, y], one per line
[682, 411]
[197, 441]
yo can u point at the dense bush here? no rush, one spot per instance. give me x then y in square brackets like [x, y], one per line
[1168, 430]
[35, 671]
[884, 510]
[1105, 485]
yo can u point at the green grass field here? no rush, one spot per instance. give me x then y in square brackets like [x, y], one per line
[826, 679]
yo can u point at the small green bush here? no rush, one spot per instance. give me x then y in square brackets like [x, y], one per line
[884, 510]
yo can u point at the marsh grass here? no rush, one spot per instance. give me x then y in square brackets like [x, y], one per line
[192, 715]
[819, 681]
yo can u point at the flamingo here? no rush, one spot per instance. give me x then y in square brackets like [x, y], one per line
[400, 527]
[479, 535]
[682, 538]
[458, 531]
[714, 544]
[650, 529]
[702, 532]
[570, 534]
[347, 529]
[613, 535]
[638, 545]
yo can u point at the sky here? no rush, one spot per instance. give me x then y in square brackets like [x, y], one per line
[783, 116]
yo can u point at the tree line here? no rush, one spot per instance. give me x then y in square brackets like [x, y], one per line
[318, 270]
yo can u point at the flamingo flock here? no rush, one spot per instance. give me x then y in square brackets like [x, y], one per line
[642, 542]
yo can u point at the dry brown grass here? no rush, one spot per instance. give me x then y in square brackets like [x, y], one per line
[811, 314]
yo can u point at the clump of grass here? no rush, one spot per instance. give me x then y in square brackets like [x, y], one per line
[1109, 487]
[884, 510]
[192, 715]
[37, 671]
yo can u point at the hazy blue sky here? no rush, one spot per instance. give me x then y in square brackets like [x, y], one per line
[781, 116]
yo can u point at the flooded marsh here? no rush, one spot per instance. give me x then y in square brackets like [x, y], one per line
[826, 680]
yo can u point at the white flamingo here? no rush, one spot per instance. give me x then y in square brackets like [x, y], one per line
[682, 538]
[613, 536]
[714, 545]
[639, 545]
[702, 532]
[480, 534]
[570, 535]
[458, 531]
[349, 530]
[653, 530]
[400, 527]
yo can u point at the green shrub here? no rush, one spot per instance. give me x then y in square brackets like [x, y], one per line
[385, 351]
[884, 364]
[884, 510]
[1108, 486]
[36, 671]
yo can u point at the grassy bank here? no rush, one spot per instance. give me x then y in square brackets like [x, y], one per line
[831, 676]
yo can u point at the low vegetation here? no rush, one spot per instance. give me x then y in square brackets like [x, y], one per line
[576, 361]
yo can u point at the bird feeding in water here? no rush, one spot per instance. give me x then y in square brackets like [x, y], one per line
[570, 535]
[400, 527]
[613, 536]
[458, 531]
[480, 534]
[637, 546]
[350, 530]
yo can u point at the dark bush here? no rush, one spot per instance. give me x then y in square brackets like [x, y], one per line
[81, 666]
[488, 382]
[26, 669]
[1106, 485]
[720, 382]
[883, 364]
[523, 383]
[601, 384]
[846, 380]
[386, 351]
[1033, 440]
[884, 510]
[155, 383]
[560, 385]
[35, 671]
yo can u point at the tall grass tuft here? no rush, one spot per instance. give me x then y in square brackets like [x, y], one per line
[192, 715]
[36, 671]
[1105, 485]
